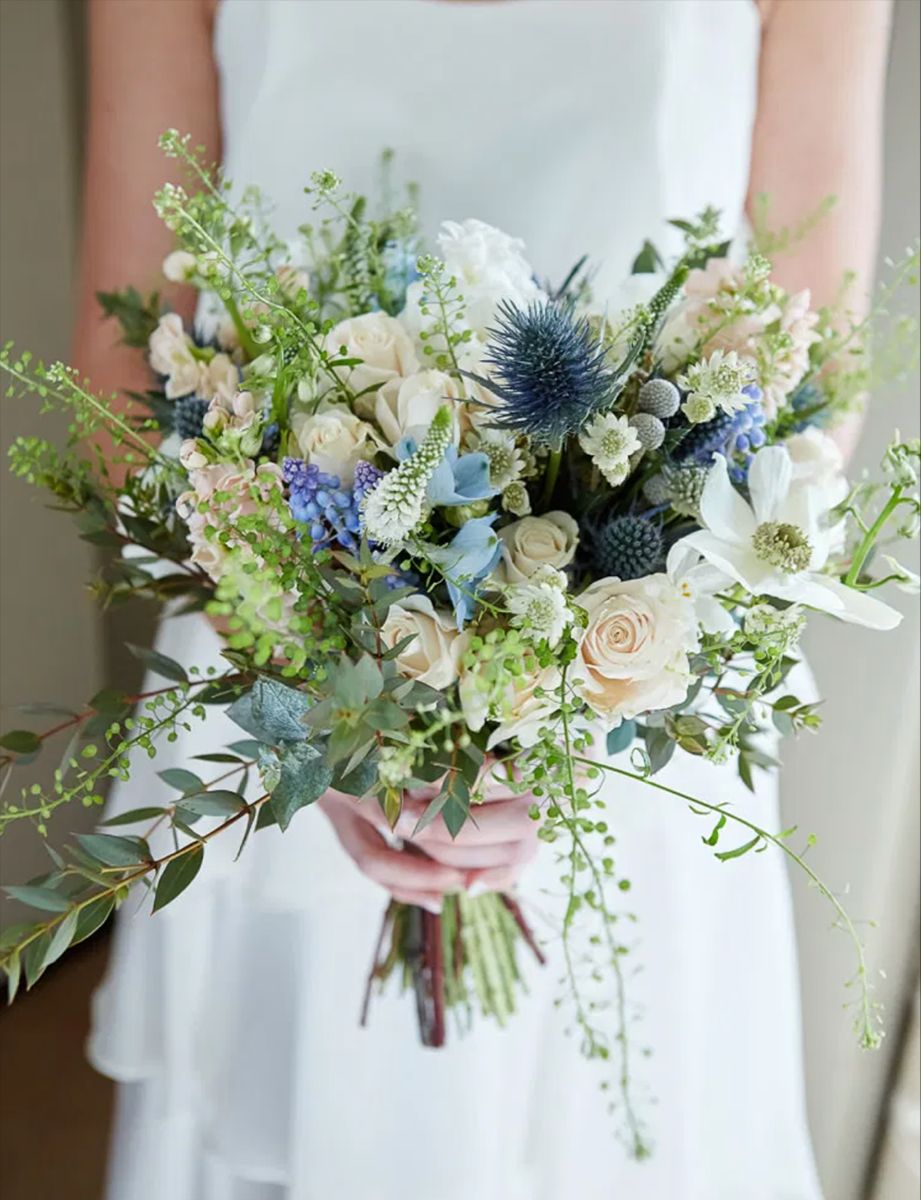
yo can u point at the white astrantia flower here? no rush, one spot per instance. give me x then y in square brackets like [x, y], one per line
[540, 611]
[515, 499]
[609, 441]
[717, 382]
[506, 461]
[780, 543]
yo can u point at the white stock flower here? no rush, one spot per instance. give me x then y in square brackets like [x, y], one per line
[609, 441]
[535, 542]
[633, 655]
[779, 544]
[539, 610]
[171, 354]
[489, 266]
[334, 439]
[383, 345]
[433, 656]
[180, 266]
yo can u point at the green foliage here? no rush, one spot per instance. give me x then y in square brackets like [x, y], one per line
[137, 317]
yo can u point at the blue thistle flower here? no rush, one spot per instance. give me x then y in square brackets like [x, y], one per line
[189, 416]
[271, 440]
[626, 547]
[736, 435]
[551, 371]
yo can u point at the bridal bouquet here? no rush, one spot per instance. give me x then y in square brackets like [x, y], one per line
[461, 529]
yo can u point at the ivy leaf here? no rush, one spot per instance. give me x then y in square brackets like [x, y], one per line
[21, 741]
[115, 851]
[271, 712]
[154, 661]
[303, 777]
[177, 875]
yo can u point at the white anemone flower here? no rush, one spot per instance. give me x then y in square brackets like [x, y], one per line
[699, 582]
[779, 544]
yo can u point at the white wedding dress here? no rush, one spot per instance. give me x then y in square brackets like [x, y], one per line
[231, 1019]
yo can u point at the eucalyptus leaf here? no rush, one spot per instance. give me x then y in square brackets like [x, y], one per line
[621, 738]
[21, 741]
[92, 917]
[215, 803]
[38, 897]
[177, 875]
[159, 663]
[61, 939]
[115, 851]
[183, 781]
[272, 712]
[134, 815]
[304, 776]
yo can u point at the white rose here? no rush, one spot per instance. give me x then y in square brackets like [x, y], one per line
[535, 542]
[521, 712]
[412, 405]
[434, 654]
[633, 656]
[382, 344]
[489, 266]
[335, 440]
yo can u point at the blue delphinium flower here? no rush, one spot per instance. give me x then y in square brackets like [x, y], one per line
[736, 435]
[551, 374]
[466, 561]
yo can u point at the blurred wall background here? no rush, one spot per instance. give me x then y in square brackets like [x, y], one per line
[857, 787]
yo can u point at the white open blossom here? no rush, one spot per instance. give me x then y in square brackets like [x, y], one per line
[779, 544]
[540, 611]
[506, 461]
[609, 441]
[188, 370]
[699, 582]
[717, 383]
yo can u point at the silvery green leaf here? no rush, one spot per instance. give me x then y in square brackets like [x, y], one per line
[304, 776]
[621, 738]
[271, 712]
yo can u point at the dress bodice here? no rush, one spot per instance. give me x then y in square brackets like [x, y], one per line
[579, 125]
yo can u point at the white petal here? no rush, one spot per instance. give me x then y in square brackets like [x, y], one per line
[738, 562]
[769, 479]
[856, 607]
[681, 559]
[713, 617]
[722, 509]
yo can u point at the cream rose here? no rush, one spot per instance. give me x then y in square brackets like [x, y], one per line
[633, 656]
[519, 711]
[535, 542]
[383, 345]
[400, 407]
[433, 656]
[335, 440]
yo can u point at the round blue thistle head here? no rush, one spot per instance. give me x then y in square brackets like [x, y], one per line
[550, 371]
[189, 416]
[626, 547]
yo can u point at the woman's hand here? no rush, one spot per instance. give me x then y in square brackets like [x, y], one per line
[497, 841]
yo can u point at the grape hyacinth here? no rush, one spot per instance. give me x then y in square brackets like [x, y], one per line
[736, 435]
[551, 372]
[318, 500]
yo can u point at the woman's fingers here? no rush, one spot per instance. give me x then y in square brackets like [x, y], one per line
[501, 821]
[471, 858]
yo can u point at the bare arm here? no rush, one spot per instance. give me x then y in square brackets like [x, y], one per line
[819, 133]
[150, 68]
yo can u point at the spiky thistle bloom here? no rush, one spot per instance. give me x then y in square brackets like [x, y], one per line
[627, 548]
[189, 416]
[396, 506]
[551, 374]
